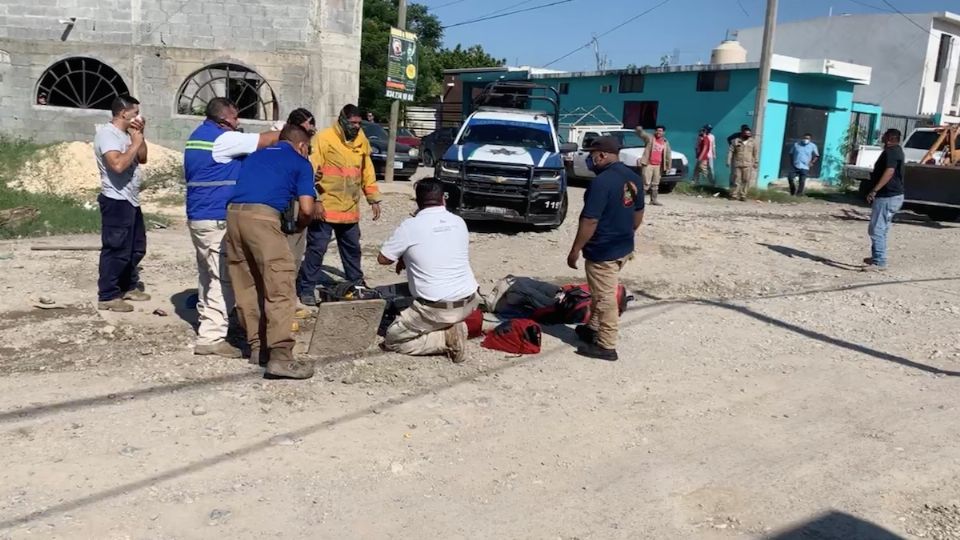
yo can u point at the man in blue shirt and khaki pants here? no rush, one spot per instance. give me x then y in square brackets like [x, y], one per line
[261, 264]
[612, 213]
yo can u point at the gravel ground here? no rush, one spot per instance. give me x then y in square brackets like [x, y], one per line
[766, 388]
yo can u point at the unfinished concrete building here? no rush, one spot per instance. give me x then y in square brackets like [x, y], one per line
[63, 61]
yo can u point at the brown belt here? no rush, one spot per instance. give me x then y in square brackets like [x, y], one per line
[456, 304]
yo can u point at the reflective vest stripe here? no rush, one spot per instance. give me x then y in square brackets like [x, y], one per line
[216, 183]
[330, 170]
[371, 189]
[199, 145]
[334, 216]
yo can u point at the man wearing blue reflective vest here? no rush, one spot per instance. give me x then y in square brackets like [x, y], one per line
[211, 164]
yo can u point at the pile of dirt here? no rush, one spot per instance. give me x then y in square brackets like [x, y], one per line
[70, 169]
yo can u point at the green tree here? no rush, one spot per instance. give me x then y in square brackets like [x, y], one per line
[378, 17]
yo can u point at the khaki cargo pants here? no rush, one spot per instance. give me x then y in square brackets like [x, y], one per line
[604, 280]
[262, 271]
[741, 179]
[651, 178]
[420, 329]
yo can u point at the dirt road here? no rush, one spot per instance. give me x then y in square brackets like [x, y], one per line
[765, 386]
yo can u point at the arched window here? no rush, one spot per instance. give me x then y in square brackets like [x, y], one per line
[80, 83]
[254, 98]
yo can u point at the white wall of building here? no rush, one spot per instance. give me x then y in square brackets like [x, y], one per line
[903, 57]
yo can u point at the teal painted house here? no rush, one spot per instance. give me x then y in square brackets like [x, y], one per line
[813, 96]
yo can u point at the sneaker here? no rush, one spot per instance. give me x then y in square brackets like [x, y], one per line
[309, 300]
[220, 348]
[136, 296]
[586, 334]
[289, 369]
[457, 342]
[598, 352]
[873, 268]
[117, 305]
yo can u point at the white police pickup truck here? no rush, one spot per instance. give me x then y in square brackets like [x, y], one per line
[632, 147]
[506, 163]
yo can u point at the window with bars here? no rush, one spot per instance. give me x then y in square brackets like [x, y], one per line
[253, 95]
[80, 83]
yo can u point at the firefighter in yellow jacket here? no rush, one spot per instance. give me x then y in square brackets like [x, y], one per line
[344, 173]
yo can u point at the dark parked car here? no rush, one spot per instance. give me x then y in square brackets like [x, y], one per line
[434, 145]
[405, 136]
[406, 160]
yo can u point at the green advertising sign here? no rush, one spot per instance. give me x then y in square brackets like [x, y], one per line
[402, 65]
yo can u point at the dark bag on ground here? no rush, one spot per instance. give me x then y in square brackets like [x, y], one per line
[573, 305]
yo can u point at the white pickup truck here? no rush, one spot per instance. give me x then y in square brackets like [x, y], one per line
[915, 147]
[632, 149]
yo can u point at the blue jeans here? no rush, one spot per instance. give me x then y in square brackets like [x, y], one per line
[318, 238]
[884, 208]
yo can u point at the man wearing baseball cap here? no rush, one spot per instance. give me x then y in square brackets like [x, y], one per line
[612, 212]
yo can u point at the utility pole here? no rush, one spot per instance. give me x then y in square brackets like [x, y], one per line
[394, 107]
[766, 55]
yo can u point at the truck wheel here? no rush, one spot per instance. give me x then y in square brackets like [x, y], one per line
[561, 216]
[667, 188]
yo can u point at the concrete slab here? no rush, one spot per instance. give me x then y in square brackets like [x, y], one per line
[346, 327]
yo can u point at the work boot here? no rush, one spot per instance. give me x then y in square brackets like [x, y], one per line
[136, 296]
[654, 192]
[456, 337]
[598, 352]
[873, 268]
[220, 348]
[586, 334]
[309, 300]
[117, 305]
[288, 369]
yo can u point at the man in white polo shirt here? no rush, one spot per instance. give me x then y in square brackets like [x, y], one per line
[434, 248]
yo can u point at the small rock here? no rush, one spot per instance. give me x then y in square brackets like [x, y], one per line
[396, 468]
[198, 411]
[159, 312]
[47, 301]
[108, 330]
[217, 515]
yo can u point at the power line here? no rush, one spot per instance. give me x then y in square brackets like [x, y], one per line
[743, 9]
[615, 28]
[904, 15]
[871, 6]
[482, 19]
[453, 3]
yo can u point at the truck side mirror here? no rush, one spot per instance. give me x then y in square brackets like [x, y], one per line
[568, 147]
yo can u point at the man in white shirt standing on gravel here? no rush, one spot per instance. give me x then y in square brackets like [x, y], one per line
[434, 248]
[211, 164]
[120, 149]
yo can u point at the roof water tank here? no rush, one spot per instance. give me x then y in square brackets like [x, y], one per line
[729, 52]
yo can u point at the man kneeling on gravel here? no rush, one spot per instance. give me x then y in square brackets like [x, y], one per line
[434, 247]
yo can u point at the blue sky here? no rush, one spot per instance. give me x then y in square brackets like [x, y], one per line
[693, 27]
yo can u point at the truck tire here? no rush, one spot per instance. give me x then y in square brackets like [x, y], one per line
[667, 188]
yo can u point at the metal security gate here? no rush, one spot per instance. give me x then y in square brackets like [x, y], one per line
[906, 124]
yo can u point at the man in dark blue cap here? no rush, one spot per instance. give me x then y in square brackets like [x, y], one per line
[612, 212]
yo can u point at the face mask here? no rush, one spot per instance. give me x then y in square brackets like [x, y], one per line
[591, 166]
[350, 131]
[804, 142]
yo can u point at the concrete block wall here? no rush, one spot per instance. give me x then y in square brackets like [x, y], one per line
[308, 51]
